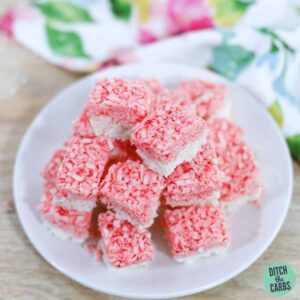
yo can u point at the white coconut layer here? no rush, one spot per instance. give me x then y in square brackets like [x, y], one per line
[200, 254]
[213, 199]
[62, 234]
[225, 112]
[124, 216]
[80, 205]
[103, 125]
[235, 203]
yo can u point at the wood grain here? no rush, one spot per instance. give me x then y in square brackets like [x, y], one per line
[23, 273]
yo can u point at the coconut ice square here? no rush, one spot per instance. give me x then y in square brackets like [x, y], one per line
[169, 137]
[123, 244]
[116, 105]
[195, 182]
[195, 231]
[80, 172]
[133, 191]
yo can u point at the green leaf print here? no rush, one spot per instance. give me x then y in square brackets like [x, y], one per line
[294, 145]
[276, 38]
[121, 8]
[229, 12]
[64, 12]
[65, 43]
[276, 112]
[231, 60]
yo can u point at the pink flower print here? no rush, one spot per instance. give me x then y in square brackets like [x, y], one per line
[186, 15]
[6, 23]
[19, 12]
[146, 37]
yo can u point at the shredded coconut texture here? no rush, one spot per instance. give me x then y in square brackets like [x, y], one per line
[209, 98]
[194, 229]
[133, 188]
[239, 173]
[155, 86]
[118, 149]
[82, 126]
[51, 169]
[123, 243]
[74, 223]
[164, 134]
[196, 181]
[122, 100]
[177, 97]
[82, 167]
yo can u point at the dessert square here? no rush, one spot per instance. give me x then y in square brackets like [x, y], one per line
[66, 219]
[195, 231]
[123, 244]
[169, 137]
[79, 174]
[133, 191]
[195, 182]
[239, 174]
[210, 99]
[116, 105]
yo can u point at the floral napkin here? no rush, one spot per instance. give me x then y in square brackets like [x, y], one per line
[255, 43]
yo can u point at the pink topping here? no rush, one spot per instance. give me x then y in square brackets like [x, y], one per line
[239, 174]
[124, 244]
[123, 101]
[192, 228]
[82, 126]
[73, 222]
[82, 168]
[196, 181]
[208, 97]
[134, 189]
[163, 135]
[155, 86]
[51, 169]
[178, 97]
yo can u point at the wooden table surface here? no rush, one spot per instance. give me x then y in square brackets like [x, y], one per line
[27, 83]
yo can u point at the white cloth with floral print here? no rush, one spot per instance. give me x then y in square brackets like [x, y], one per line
[259, 48]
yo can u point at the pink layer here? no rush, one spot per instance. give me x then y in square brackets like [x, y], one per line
[133, 188]
[123, 244]
[196, 181]
[163, 135]
[122, 100]
[192, 228]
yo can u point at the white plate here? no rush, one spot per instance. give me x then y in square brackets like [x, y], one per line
[252, 229]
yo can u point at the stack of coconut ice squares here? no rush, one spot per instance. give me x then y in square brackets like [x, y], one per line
[139, 151]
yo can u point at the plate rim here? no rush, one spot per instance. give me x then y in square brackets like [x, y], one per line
[168, 295]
